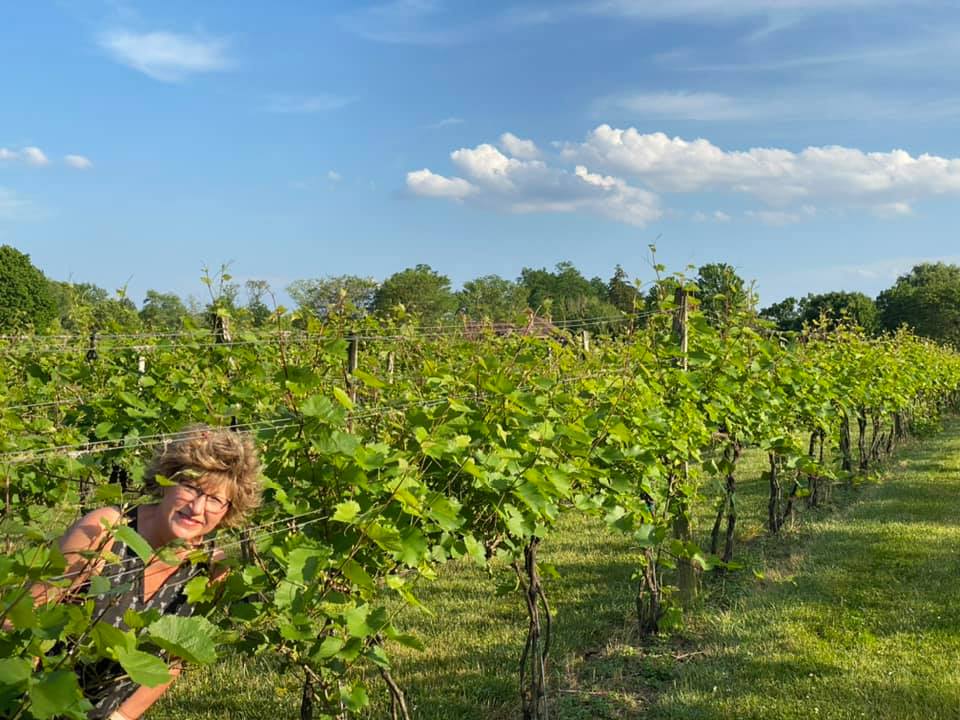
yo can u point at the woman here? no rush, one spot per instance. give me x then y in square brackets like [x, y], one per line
[211, 482]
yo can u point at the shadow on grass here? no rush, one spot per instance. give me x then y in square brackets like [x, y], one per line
[481, 669]
[865, 624]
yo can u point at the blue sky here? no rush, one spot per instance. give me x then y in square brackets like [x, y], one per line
[812, 144]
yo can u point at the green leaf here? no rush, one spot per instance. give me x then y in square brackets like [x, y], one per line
[14, 671]
[110, 640]
[385, 537]
[414, 547]
[163, 480]
[319, 406]
[343, 398]
[328, 648]
[409, 641]
[445, 512]
[143, 668]
[347, 511]
[356, 619]
[57, 693]
[355, 698]
[189, 638]
[99, 585]
[135, 541]
[22, 614]
[52, 620]
[356, 574]
[368, 379]
[305, 564]
[196, 588]
[130, 399]
[475, 550]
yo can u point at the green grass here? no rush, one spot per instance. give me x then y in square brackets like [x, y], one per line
[852, 613]
[858, 618]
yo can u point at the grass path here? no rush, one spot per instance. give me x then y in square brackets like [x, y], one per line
[862, 620]
[857, 615]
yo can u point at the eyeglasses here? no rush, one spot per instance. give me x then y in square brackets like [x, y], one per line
[214, 504]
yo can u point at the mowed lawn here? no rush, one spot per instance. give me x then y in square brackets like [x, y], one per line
[862, 620]
[853, 613]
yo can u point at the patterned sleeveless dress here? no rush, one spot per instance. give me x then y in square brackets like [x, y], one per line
[104, 683]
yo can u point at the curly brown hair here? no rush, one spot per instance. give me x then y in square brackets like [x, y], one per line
[212, 457]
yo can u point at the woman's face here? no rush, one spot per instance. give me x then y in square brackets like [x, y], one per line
[192, 509]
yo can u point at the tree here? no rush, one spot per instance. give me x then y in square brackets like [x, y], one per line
[621, 293]
[163, 311]
[927, 299]
[722, 293]
[492, 297]
[838, 307]
[26, 299]
[420, 290]
[786, 314]
[257, 309]
[350, 294]
[83, 307]
[565, 293]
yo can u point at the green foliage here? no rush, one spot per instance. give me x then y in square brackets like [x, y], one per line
[722, 293]
[492, 297]
[163, 312]
[622, 294]
[26, 300]
[257, 309]
[786, 314]
[439, 448]
[840, 307]
[927, 299]
[545, 287]
[830, 309]
[85, 307]
[566, 294]
[420, 290]
[335, 295]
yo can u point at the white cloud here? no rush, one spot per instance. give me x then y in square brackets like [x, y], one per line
[775, 175]
[777, 218]
[526, 186]
[306, 104]
[78, 162]
[717, 216]
[487, 165]
[615, 173]
[30, 155]
[424, 182]
[446, 122]
[519, 148]
[165, 56]
[34, 156]
[893, 210]
[334, 176]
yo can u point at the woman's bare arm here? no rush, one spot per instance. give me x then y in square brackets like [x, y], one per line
[87, 534]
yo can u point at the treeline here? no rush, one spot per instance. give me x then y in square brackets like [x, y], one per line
[927, 299]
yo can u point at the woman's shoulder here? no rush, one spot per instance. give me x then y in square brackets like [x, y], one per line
[86, 532]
